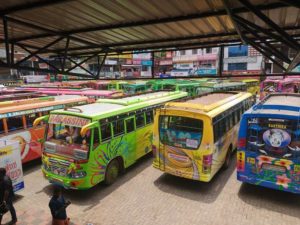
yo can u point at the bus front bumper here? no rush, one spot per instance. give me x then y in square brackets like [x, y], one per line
[185, 174]
[65, 182]
[288, 187]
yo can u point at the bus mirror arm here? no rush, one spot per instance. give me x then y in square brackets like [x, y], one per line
[37, 121]
[41, 140]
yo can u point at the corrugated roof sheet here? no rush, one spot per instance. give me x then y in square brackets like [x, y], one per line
[122, 25]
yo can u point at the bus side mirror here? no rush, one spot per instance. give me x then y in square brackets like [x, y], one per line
[37, 121]
[87, 127]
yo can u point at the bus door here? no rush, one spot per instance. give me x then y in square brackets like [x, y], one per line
[161, 148]
[129, 142]
[144, 132]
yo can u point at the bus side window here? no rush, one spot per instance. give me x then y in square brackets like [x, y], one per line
[96, 137]
[129, 125]
[231, 120]
[140, 120]
[105, 132]
[45, 113]
[1, 126]
[30, 119]
[149, 116]
[118, 127]
[15, 123]
[236, 116]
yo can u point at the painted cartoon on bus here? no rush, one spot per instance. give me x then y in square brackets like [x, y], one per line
[272, 156]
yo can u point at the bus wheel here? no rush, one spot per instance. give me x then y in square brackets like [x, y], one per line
[228, 158]
[112, 172]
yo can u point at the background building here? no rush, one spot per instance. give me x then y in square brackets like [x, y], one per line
[242, 59]
[199, 61]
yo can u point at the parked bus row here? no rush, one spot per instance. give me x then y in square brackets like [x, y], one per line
[190, 137]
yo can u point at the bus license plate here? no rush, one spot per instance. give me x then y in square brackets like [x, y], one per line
[274, 168]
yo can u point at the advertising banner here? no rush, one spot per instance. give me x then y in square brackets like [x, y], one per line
[10, 158]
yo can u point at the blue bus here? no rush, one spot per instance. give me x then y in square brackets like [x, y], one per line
[269, 143]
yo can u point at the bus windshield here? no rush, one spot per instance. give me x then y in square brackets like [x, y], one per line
[63, 137]
[178, 131]
[269, 86]
[273, 137]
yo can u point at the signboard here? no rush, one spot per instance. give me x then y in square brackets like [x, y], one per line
[241, 59]
[136, 62]
[146, 62]
[141, 55]
[10, 158]
[165, 62]
[110, 62]
[206, 71]
[68, 120]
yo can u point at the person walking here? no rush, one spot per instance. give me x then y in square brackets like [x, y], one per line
[7, 195]
[58, 207]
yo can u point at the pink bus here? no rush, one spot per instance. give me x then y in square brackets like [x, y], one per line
[270, 85]
[91, 94]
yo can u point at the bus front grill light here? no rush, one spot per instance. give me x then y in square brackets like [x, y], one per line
[76, 175]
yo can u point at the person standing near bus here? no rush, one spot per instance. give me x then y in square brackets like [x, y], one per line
[7, 195]
[58, 207]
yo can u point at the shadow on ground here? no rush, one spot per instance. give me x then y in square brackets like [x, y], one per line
[93, 196]
[273, 200]
[196, 190]
[32, 166]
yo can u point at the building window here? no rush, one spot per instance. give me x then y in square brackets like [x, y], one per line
[208, 50]
[182, 52]
[236, 51]
[237, 66]
[195, 51]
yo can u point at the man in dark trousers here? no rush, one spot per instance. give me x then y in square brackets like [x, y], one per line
[58, 207]
[7, 195]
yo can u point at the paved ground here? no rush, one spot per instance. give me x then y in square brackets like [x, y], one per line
[145, 196]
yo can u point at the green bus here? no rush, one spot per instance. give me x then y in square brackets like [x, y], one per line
[215, 86]
[117, 85]
[92, 143]
[188, 86]
[137, 87]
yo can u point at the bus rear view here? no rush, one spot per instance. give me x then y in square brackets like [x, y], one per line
[269, 143]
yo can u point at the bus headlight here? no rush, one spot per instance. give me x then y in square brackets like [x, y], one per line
[77, 174]
[46, 167]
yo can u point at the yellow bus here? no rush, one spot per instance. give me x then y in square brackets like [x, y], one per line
[195, 138]
[252, 85]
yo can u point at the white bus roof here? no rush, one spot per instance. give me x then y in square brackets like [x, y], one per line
[290, 100]
[109, 107]
[280, 103]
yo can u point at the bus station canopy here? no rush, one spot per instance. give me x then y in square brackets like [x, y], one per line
[97, 27]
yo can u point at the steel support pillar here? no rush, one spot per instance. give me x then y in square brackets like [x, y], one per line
[5, 28]
[100, 65]
[221, 61]
[152, 65]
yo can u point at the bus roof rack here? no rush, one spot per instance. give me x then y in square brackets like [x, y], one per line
[205, 107]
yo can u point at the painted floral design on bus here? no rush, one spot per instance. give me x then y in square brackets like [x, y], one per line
[115, 147]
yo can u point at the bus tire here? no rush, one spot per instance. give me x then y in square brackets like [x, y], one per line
[112, 172]
[228, 158]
